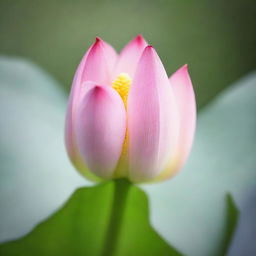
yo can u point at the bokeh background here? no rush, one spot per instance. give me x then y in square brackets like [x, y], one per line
[216, 38]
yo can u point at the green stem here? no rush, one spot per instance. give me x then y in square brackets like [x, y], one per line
[121, 189]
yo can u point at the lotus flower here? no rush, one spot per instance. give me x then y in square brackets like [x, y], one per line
[125, 118]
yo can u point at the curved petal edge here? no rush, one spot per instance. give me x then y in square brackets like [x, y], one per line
[152, 119]
[183, 90]
[94, 66]
[100, 129]
[130, 55]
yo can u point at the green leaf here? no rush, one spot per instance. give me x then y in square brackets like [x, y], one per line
[36, 175]
[107, 219]
[189, 211]
[232, 216]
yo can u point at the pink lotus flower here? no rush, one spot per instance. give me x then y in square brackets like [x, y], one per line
[125, 117]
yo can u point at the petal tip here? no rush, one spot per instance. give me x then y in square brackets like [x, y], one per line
[97, 39]
[184, 70]
[149, 48]
[184, 67]
[149, 51]
[140, 39]
[96, 44]
[96, 90]
[183, 73]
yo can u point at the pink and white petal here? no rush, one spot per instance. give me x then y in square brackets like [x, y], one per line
[111, 55]
[184, 93]
[100, 129]
[183, 90]
[71, 138]
[130, 55]
[75, 89]
[95, 66]
[98, 64]
[152, 119]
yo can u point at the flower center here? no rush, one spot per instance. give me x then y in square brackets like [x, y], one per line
[122, 85]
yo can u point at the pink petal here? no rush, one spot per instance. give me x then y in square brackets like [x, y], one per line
[130, 56]
[152, 119]
[100, 129]
[184, 93]
[95, 66]
[182, 86]
[98, 64]
[110, 54]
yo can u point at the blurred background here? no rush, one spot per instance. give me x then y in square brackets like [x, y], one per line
[216, 38]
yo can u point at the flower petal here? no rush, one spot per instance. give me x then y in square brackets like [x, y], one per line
[110, 54]
[98, 64]
[152, 118]
[130, 56]
[183, 90]
[100, 129]
[184, 93]
[95, 66]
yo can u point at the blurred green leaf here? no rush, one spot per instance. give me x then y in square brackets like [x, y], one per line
[222, 160]
[107, 219]
[232, 217]
[36, 175]
[243, 242]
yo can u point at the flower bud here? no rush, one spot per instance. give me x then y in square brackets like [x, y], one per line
[125, 118]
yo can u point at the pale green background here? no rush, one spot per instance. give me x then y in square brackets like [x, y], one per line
[216, 38]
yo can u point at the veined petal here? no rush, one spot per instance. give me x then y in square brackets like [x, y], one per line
[99, 63]
[100, 129]
[95, 66]
[183, 90]
[130, 55]
[152, 119]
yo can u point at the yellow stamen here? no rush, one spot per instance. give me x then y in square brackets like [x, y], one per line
[122, 85]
